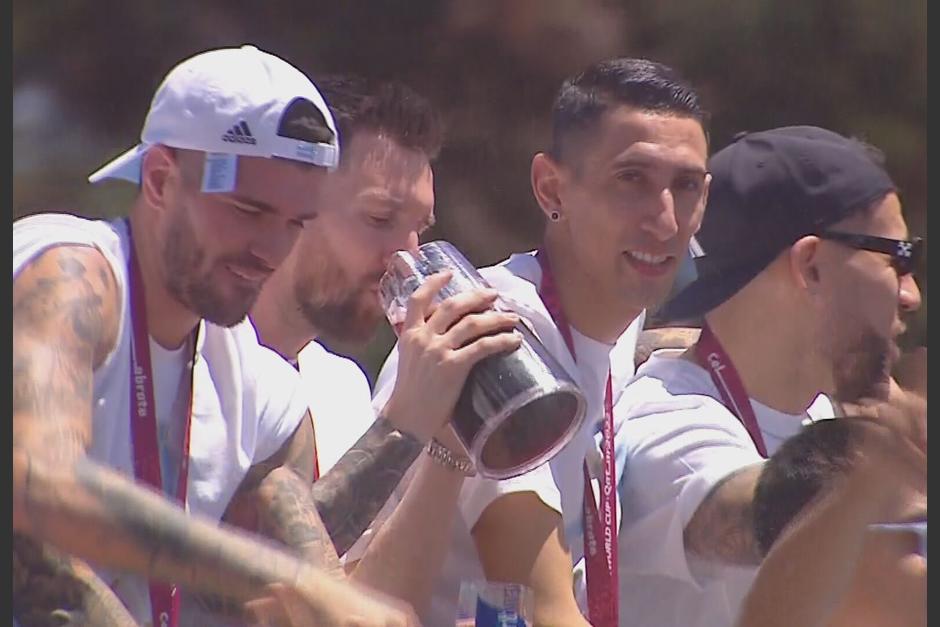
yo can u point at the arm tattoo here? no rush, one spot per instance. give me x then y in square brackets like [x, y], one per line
[275, 500]
[722, 528]
[291, 516]
[51, 589]
[351, 494]
[179, 547]
[64, 321]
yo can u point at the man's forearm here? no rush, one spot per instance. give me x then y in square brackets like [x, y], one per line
[288, 514]
[98, 515]
[351, 494]
[53, 589]
[418, 533]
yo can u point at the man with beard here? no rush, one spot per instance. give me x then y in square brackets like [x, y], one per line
[379, 201]
[141, 400]
[807, 265]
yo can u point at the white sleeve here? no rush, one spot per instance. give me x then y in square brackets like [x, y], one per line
[385, 382]
[478, 493]
[340, 402]
[280, 400]
[674, 457]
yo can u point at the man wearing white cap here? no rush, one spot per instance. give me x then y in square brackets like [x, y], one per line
[142, 401]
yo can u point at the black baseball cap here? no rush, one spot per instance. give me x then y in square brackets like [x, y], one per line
[768, 190]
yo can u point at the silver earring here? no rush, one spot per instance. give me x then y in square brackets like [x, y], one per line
[555, 216]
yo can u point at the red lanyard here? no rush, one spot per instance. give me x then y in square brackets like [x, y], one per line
[715, 360]
[601, 567]
[164, 599]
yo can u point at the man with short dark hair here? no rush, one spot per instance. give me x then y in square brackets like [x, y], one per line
[623, 189]
[806, 268]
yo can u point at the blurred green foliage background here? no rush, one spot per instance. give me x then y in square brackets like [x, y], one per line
[84, 73]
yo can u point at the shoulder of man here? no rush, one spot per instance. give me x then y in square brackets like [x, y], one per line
[34, 234]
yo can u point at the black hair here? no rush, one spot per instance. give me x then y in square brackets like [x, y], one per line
[640, 83]
[803, 467]
[386, 107]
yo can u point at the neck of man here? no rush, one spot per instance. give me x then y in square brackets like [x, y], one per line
[589, 305]
[278, 320]
[169, 322]
[771, 358]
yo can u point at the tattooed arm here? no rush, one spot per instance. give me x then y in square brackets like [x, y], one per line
[722, 528]
[54, 589]
[351, 494]
[65, 320]
[285, 509]
[438, 346]
[418, 532]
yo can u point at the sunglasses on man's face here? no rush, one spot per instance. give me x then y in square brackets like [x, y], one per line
[905, 253]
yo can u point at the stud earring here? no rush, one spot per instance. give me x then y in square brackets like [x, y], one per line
[555, 216]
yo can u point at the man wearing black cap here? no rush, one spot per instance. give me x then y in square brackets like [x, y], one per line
[807, 265]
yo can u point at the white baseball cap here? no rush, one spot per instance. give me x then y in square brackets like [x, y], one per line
[234, 101]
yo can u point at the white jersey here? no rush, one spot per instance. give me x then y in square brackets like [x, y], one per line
[559, 483]
[340, 401]
[679, 441]
[247, 401]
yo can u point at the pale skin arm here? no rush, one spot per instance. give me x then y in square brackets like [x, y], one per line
[521, 540]
[418, 533]
[65, 319]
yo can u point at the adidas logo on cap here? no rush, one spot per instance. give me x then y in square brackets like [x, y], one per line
[239, 134]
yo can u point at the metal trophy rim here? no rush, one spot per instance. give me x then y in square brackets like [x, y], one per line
[519, 401]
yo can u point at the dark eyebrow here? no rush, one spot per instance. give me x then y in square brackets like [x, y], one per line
[265, 207]
[644, 161]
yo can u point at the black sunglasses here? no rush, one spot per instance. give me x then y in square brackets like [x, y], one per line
[905, 253]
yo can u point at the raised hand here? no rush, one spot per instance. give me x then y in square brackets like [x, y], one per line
[438, 345]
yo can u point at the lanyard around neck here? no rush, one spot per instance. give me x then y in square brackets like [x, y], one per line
[711, 356]
[600, 525]
[164, 598]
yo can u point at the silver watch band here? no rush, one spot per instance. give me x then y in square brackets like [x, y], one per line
[445, 457]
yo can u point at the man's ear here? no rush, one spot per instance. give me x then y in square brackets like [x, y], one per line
[804, 264]
[159, 167]
[700, 210]
[546, 177]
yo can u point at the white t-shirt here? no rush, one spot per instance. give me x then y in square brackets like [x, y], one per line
[340, 401]
[558, 483]
[679, 441]
[247, 401]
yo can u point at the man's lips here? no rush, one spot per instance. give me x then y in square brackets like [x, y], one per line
[249, 273]
[650, 264]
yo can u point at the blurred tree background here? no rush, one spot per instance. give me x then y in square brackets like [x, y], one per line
[84, 73]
